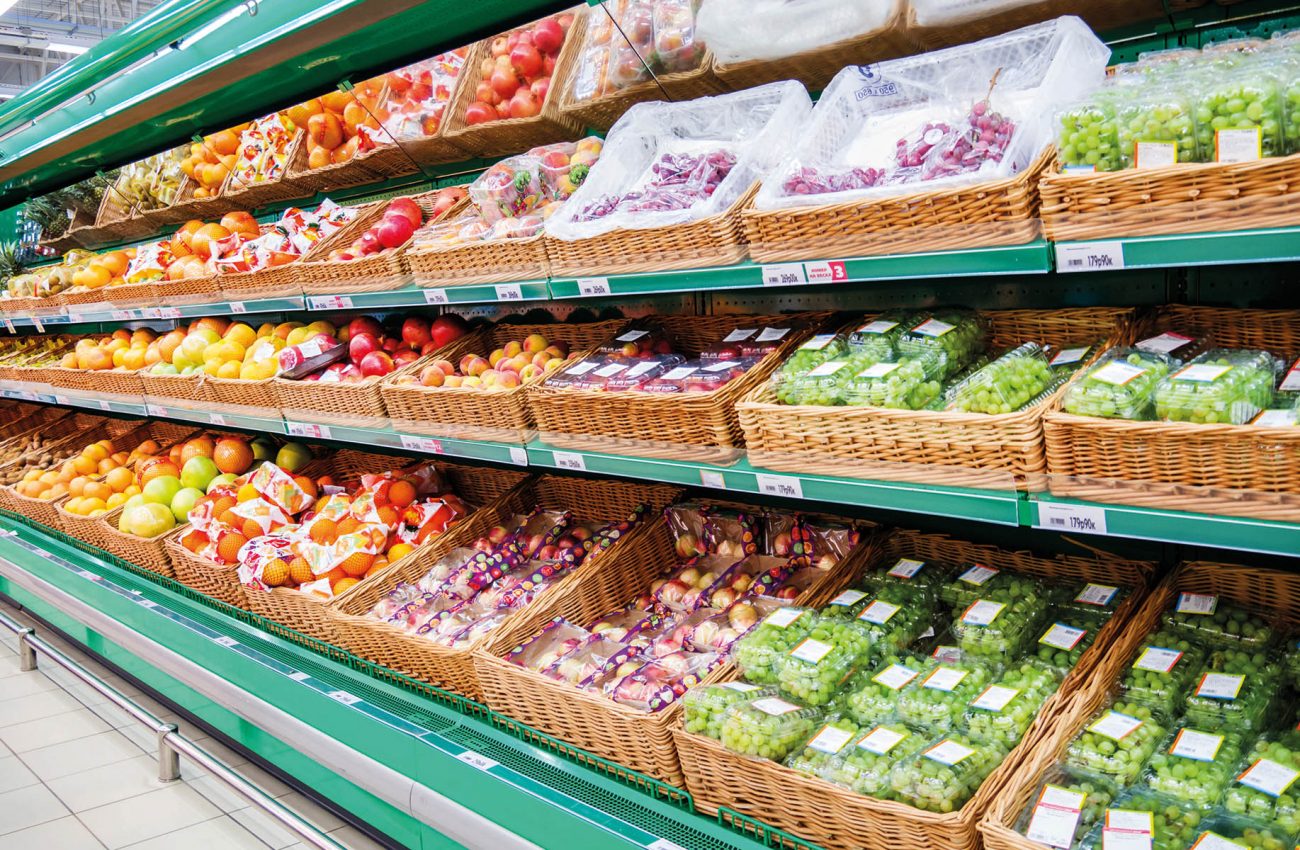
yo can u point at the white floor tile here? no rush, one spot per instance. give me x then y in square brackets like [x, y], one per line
[35, 734]
[28, 806]
[36, 706]
[21, 686]
[219, 834]
[218, 793]
[148, 815]
[66, 833]
[264, 827]
[121, 780]
[14, 774]
[71, 757]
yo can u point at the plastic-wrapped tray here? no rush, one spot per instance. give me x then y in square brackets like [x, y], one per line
[943, 776]
[1117, 741]
[1194, 764]
[1068, 802]
[1121, 385]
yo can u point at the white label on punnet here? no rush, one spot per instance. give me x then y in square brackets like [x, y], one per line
[774, 706]
[1220, 686]
[982, 612]
[742, 687]
[848, 598]
[610, 370]
[1055, 817]
[879, 612]
[949, 752]
[1201, 373]
[1214, 841]
[812, 651]
[1062, 636]
[1069, 355]
[932, 327]
[1275, 419]
[830, 367]
[772, 334]
[880, 740]
[1125, 839]
[631, 336]
[1115, 725]
[978, 574]
[817, 343]
[722, 365]
[1117, 373]
[1096, 594]
[738, 334]
[1238, 145]
[1269, 776]
[783, 617]
[1165, 343]
[830, 740]
[1155, 154]
[877, 327]
[582, 368]
[878, 370]
[994, 698]
[895, 676]
[1157, 659]
[1197, 603]
[1200, 746]
[944, 679]
[906, 568]
[1291, 382]
[641, 368]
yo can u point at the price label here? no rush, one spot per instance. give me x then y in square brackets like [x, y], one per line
[1199, 746]
[104, 405]
[772, 334]
[982, 612]
[879, 612]
[830, 740]
[779, 485]
[9, 326]
[1082, 519]
[741, 687]
[120, 315]
[1127, 830]
[878, 370]
[783, 617]
[829, 368]
[1056, 815]
[1291, 383]
[810, 650]
[978, 575]
[848, 598]
[932, 328]
[570, 460]
[1062, 636]
[169, 312]
[308, 429]
[784, 274]
[817, 343]
[995, 698]
[518, 456]
[949, 752]
[1238, 145]
[155, 410]
[421, 444]
[906, 568]
[1269, 776]
[509, 292]
[944, 679]
[1115, 725]
[299, 676]
[774, 706]
[344, 697]
[436, 296]
[1214, 841]
[825, 272]
[217, 419]
[708, 478]
[740, 334]
[1201, 373]
[1068, 356]
[223, 640]
[1089, 256]
[589, 286]
[329, 302]
[238, 307]
[895, 676]
[478, 760]
[36, 322]
[1157, 659]
[1155, 154]
[1096, 594]
[1197, 603]
[1275, 419]
[1220, 686]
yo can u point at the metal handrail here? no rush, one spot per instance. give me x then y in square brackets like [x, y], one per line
[171, 743]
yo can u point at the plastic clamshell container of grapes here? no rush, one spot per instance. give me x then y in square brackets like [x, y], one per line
[1223, 831]
[1068, 359]
[1233, 691]
[1004, 710]
[1194, 764]
[1178, 347]
[1087, 131]
[1091, 601]
[1062, 788]
[1265, 786]
[761, 653]
[908, 383]
[1157, 127]
[977, 581]
[958, 336]
[872, 695]
[1221, 386]
[1172, 824]
[1006, 385]
[1121, 385]
[770, 727]
[946, 773]
[1064, 641]
[833, 737]
[939, 697]
[919, 573]
[1216, 622]
[704, 709]
[815, 666]
[864, 767]
[1238, 114]
[879, 337]
[893, 617]
[997, 629]
[1162, 674]
[1116, 741]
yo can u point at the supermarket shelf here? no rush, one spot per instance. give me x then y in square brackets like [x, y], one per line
[1273, 245]
[399, 759]
[530, 290]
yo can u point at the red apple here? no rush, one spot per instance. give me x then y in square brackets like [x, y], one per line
[539, 88]
[415, 332]
[390, 344]
[376, 363]
[405, 357]
[447, 327]
[360, 345]
[428, 348]
[526, 60]
[524, 104]
[364, 325]
[547, 35]
[500, 46]
[369, 242]
[504, 82]
[407, 208]
[548, 65]
[395, 230]
[480, 113]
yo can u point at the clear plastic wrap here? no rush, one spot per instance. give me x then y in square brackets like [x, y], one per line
[663, 681]
[1214, 621]
[1194, 764]
[742, 30]
[993, 628]
[1005, 385]
[814, 667]
[966, 114]
[976, 581]
[1121, 385]
[629, 41]
[947, 773]
[768, 727]
[1068, 802]
[1220, 386]
[909, 383]
[1091, 601]
[1143, 815]
[667, 163]
[834, 738]
[704, 709]
[865, 767]
[957, 335]
[760, 655]
[418, 95]
[1162, 673]
[911, 572]
[1179, 347]
[872, 695]
[1238, 113]
[1116, 741]
[1231, 832]
[1265, 786]
[894, 616]
[879, 337]
[1156, 126]
[1063, 643]
[1234, 691]
[940, 696]
[792, 382]
[1004, 710]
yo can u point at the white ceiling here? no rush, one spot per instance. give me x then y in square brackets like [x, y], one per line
[30, 25]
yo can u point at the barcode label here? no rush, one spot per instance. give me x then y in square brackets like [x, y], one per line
[1077, 518]
[570, 460]
[593, 286]
[784, 274]
[329, 302]
[1090, 256]
[780, 485]
[509, 292]
[436, 296]
[308, 429]
[478, 760]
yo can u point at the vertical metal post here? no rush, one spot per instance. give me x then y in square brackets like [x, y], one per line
[26, 652]
[169, 761]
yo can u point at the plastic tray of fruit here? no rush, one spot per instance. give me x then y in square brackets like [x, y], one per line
[813, 668]
[1220, 386]
[865, 766]
[833, 739]
[1213, 621]
[1068, 802]
[925, 575]
[768, 727]
[891, 618]
[1004, 710]
[947, 773]
[879, 337]
[939, 697]
[977, 581]
[1265, 784]
[872, 694]
[1064, 642]
[1234, 691]
[995, 629]
[1094, 602]
[1163, 673]
[1164, 822]
[1194, 764]
[911, 382]
[958, 335]
[1232, 832]
[704, 709]
[1117, 741]
[760, 655]
[1006, 385]
[698, 376]
[1121, 385]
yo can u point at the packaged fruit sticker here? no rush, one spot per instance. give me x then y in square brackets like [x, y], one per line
[1056, 814]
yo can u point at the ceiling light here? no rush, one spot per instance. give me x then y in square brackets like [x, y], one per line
[6, 5]
[58, 47]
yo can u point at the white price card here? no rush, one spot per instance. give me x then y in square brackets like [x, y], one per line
[238, 307]
[1081, 519]
[1115, 725]
[944, 679]
[631, 336]
[120, 315]
[570, 460]
[1089, 256]
[817, 343]
[880, 740]
[1238, 145]
[1096, 594]
[784, 274]
[949, 752]
[1062, 636]
[421, 444]
[329, 302]
[217, 419]
[995, 698]
[779, 485]
[879, 612]
[169, 312]
[36, 323]
[1197, 603]
[155, 410]
[1214, 841]
[848, 598]
[830, 367]
[709, 478]
[1155, 154]
[509, 292]
[1056, 816]
[1069, 355]
[1157, 659]
[1220, 686]
[1201, 373]
[436, 296]
[740, 334]
[518, 456]
[782, 617]
[1165, 343]
[1127, 830]
[830, 740]
[1192, 744]
[299, 676]
[344, 697]
[906, 568]
[478, 760]
[308, 429]
[811, 650]
[1269, 776]
[775, 706]
[225, 640]
[878, 370]
[589, 286]
[895, 676]
[1117, 373]
[978, 575]
[932, 327]
[982, 612]
[1291, 383]
[772, 334]
[877, 327]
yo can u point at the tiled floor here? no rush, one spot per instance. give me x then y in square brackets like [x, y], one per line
[77, 774]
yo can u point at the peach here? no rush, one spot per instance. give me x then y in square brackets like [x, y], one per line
[541, 358]
[432, 376]
[529, 372]
[509, 380]
[453, 381]
[471, 381]
[535, 343]
[496, 356]
[553, 363]
[556, 349]
[512, 348]
[477, 366]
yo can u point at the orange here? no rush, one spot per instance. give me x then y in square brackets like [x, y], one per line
[400, 551]
[223, 143]
[336, 101]
[194, 541]
[119, 479]
[308, 486]
[300, 571]
[96, 452]
[356, 564]
[246, 491]
[233, 455]
[348, 525]
[158, 470]
[229, 545]
[85, 465]
[344, 584]
[252, 529]
[106, 466]
[77, 486]
[324, 531]
[228, 518]
[198, 447]
[205, 236]
[185, 233]
[116, 263]
[221, 505]
[276, 573]
[401, 493]
[389, 516]
[97, 490]
[334, 576]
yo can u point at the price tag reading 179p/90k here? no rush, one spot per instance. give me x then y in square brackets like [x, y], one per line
[1089, 256]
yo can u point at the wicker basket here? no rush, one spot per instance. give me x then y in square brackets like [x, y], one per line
[275, 282]
[186, 207]
[513, 135]
[185, 387]
[310, 615]
[239, 195]
[55, 434]
[1233, 470]
[983, 215]
[84, 297]
[1102, 15]
[114, 222]
[635, 739]
[357, 171]
[241, 393]
[117, 381]
[995, 451]
[357, 405]
[1186, 198]
[190, 290]
[838, 819]
[207, 577]
[476, 414]
[714, 241]
[1250, 586]
[128, 296]
[455, 669]
[495, 261]
[815, 68]
[681, 426]
[58, 376]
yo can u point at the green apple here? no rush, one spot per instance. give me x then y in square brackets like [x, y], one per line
[162, 490]
[263, 449]
[198, 473]
[293, 456]
[149, 519]
[223, 478]
[183, 502]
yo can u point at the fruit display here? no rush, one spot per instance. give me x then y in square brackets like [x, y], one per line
[1068, 802]
[339, 124]
[865, 767]
[123, 350]
[1117, 741]
[957, 336]
[1121, 385]
[401, 218]
[925, 576]
[769, 728]
[223, 349]
[372, 350]
[1091, 601]
[1216, 622]
[704, 709]
[813, 669]
[515, 72]
[976, 581]
[891, 618]
[1164, 822]
[871, 696]
[1004, 710]
[151, 183]
[834, 739]
[1088, 136]
[872, 135]
[944, 775]
[909, 383]
[1194, 765]
[1238, 114]
[939, 698]
[96, 480]
[1265, 787]
[1227, 832]
[210, 161]
[1233, 691]
[992, 628]
[1006, 385]
[295, 233]
[635, 41]
[1061, 646]
[744, 30]
[760, 655]
[1222, 386]
[503, 368]
[417, 96]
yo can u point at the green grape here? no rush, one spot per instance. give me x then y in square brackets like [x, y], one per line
[1119, 386]
[1220, 386]
[976, 581]
[768, 728]
[894, 617]
[1292, 662]
[828, 742]
[1233, 691]
[1245, 833]
[908, 383]
[1155, 116]
[1089, 135]
[957, 336]
[1265, 786]
[1003, 711]
[814, 668]
[1098, 791]
[1117, 741]
[989, 627]
[922, 575]
[872, 694]
[1005, 385]
[1227, 625]
[864, 768]
[1247, 99]
[939, 698]
[1291, 105]
[791, 383]
[760, 654]
[704, 709]
[947, 773]
[1089, 601]
[1064, 643]
[1194, 765]
[878, 339]
[1174, 824]
[1163, 673]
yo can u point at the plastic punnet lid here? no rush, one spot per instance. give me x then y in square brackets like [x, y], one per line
[1068, 802]
[768, 727]
[1006, 385]
[1220, 386]
[1194, 764]
[1116, 741]
[1121, 385]
[946, 773]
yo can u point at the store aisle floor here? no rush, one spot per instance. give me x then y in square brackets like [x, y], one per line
[76, 773]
